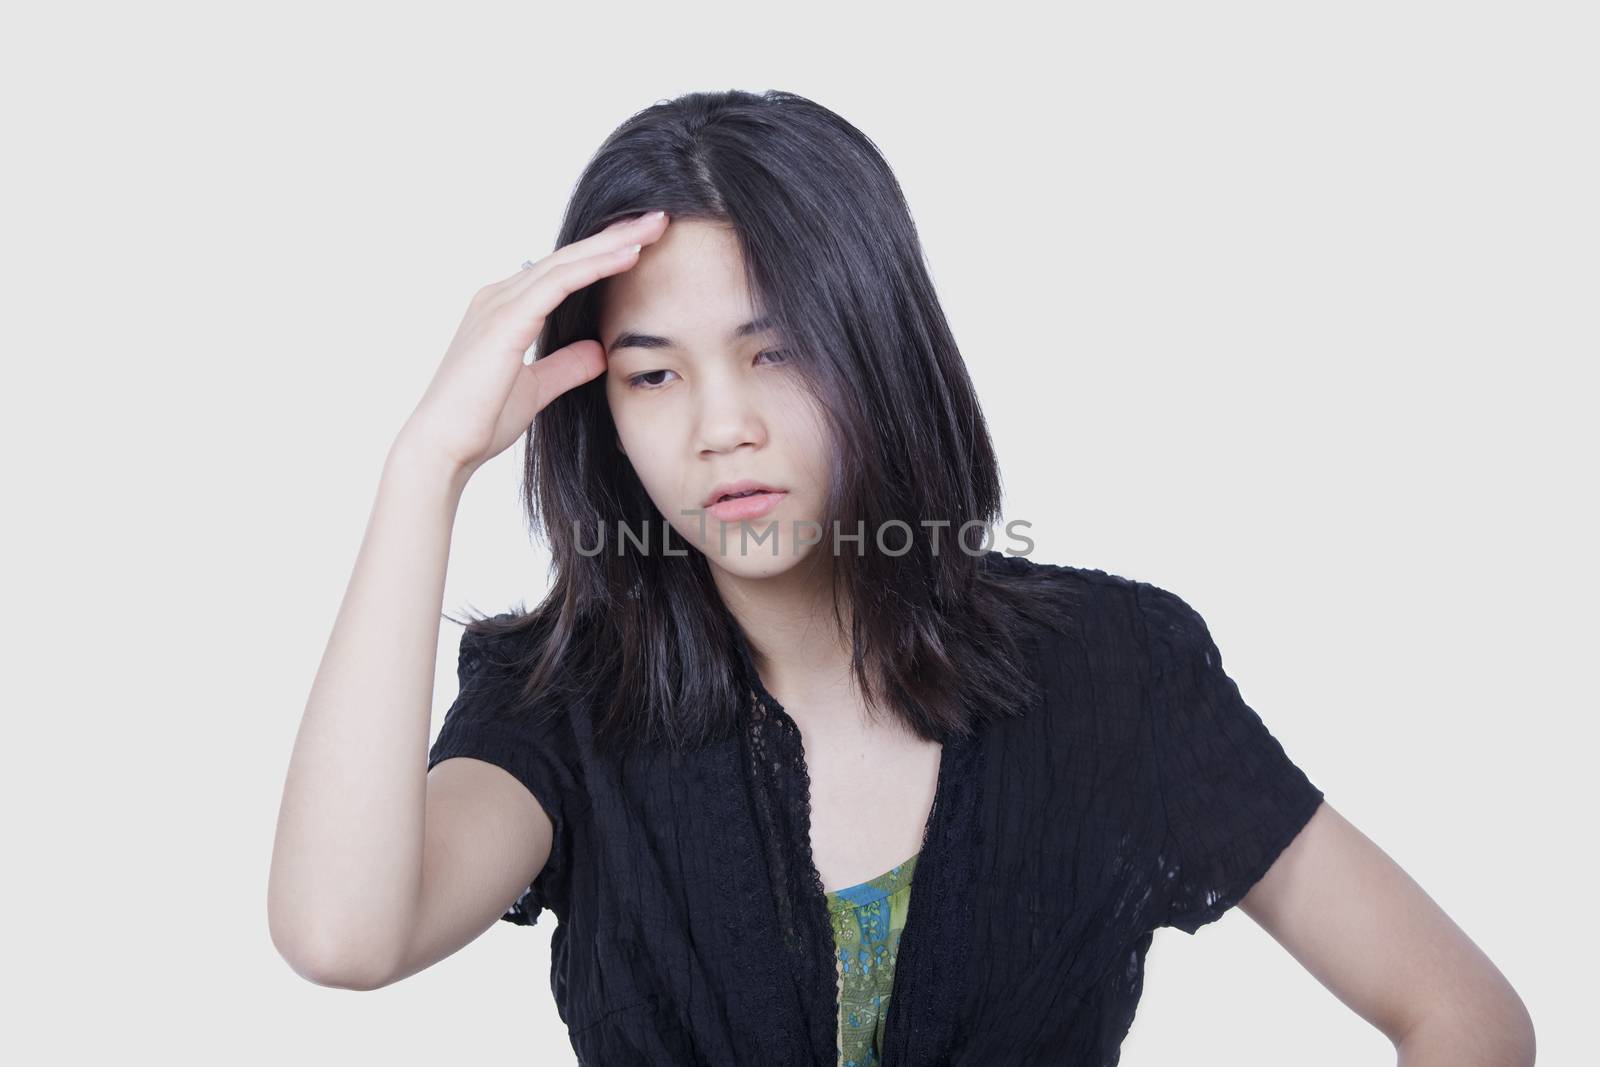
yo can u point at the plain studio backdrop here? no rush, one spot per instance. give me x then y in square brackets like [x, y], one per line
[1290, 309]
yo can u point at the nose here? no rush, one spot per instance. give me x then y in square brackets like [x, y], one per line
[728, 415]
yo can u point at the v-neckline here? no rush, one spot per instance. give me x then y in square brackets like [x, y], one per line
[908, 861]
[934, 941]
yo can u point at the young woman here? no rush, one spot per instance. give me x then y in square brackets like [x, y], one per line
[807, 771]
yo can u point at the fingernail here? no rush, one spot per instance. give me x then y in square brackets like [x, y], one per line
[651, 216]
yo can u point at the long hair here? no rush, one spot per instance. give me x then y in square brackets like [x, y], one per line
[642, 639]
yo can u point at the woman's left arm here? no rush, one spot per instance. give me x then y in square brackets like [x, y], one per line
[1369, 933]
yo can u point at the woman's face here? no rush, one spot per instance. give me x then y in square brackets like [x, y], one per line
[701, 399]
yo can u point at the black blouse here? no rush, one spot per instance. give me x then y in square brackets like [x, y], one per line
[692, 927]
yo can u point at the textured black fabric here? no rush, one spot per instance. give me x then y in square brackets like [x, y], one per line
[692, 927]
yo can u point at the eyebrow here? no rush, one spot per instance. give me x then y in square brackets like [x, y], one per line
[630, 339]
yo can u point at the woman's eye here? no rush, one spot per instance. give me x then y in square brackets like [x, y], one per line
[638, 380]
[646, 379]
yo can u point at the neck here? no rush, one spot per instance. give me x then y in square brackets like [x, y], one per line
[803, 658]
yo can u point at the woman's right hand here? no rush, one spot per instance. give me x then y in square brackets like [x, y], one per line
[483, 397]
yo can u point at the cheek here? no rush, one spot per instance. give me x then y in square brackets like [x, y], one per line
[650, 447]
[641, 428]
[616, 399]
[626, 415]
[812, 442]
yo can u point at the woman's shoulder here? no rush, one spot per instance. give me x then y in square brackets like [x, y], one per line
[498, 659]
[1089, 588]
[1029, 565]
[1115, 618]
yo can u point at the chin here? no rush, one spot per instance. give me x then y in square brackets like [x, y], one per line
[754, 567]
[754, 560]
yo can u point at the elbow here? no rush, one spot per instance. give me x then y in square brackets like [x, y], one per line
[1521, 1044]
[1511, 1041]
[333, 971]
[331, 965]
[1497, 1033]
[1508, 1035]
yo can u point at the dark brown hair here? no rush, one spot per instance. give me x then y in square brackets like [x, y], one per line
[642, 640]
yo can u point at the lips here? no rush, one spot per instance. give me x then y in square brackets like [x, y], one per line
[743, 499]
[742, 487]
[740, 508]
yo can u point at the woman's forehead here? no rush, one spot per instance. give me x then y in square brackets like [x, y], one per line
[687, 288]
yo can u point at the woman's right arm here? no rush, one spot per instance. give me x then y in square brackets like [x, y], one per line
[347, 858]
[379, 868]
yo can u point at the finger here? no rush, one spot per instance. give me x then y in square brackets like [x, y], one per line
[642, 229]
[638, 229]
[539, 266]
[562, 370]
[544, 294]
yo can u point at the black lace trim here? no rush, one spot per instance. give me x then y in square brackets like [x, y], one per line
[754, 872]
[775, 755]
[931, 973]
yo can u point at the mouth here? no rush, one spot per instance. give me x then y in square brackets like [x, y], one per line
[743, 499]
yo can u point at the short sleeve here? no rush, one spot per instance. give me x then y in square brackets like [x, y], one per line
[1232, 798]
[535, 746]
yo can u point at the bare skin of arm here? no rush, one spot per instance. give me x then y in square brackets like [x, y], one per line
[380, 868]
[1370, 934]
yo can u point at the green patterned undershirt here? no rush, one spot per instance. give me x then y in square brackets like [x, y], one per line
[867, 920]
